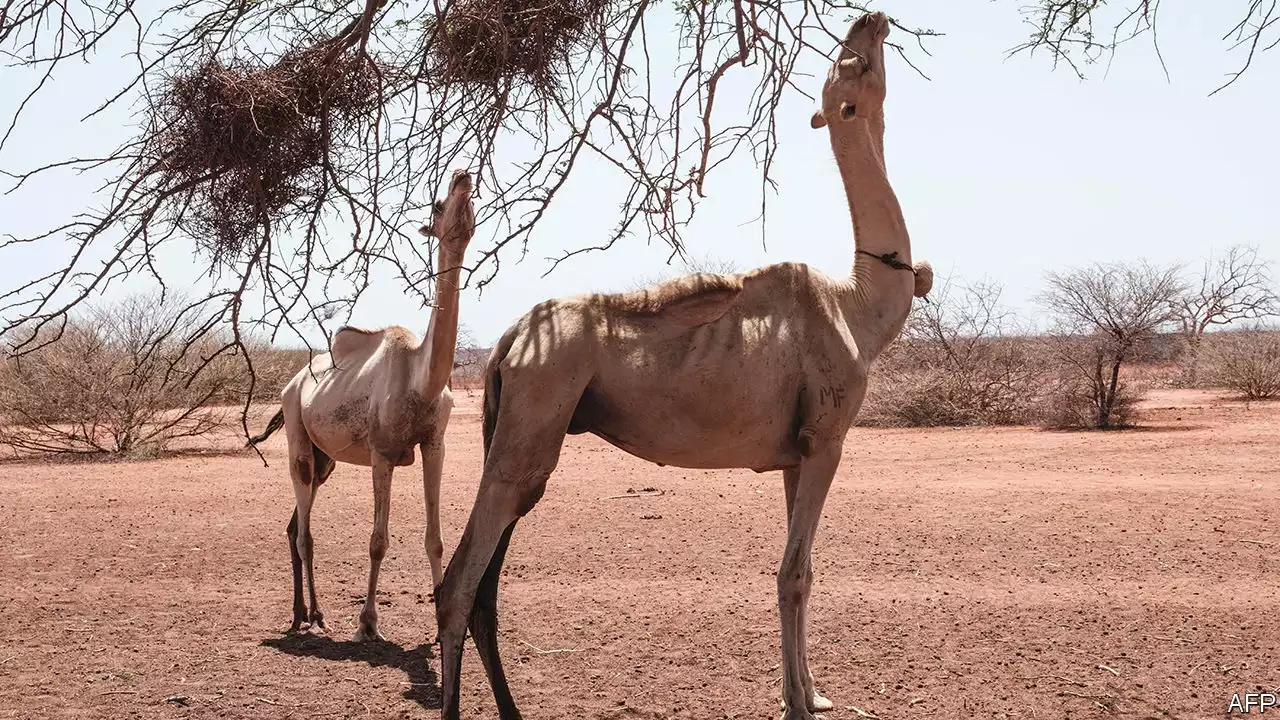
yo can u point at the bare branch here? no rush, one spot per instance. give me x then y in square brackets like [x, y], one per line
[1083, 32]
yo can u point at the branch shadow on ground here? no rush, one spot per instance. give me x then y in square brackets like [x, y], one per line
[424, 684]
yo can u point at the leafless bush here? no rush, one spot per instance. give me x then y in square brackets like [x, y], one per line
[274, 368]
[1105, 316]
[468, 362]
[1231, 288]
[1079, 386]
[121, 380]
[1245, 362]
[955, 365]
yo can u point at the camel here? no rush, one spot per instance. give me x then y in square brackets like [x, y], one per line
[368, 401]
[764, 370]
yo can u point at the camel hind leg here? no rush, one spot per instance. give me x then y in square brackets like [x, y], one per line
[309, 467]
[524, 450]
[484, 630]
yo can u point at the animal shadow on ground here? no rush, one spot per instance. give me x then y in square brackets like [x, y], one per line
[424, 684]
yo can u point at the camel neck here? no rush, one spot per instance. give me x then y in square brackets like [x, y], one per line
[441, 339]
[878, 297]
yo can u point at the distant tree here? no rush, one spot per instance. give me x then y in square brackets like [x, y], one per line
[1104, 314]
[468, 359]
[1231, 288]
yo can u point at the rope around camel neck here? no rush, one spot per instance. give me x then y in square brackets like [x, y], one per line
[890, 259]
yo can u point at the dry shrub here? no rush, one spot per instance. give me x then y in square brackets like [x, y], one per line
[954, 365]
[117, 382]
[1071, 402]
[250, 140]
[468, 362]
[1077, 391]
[273, 368]
[501, 42]
[1245, 362]
[916, 385]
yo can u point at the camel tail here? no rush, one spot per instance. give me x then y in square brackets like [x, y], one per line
[493, 387]
[275, 424]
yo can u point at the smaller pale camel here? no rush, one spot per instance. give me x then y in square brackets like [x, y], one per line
[368, 401]
[764, 370]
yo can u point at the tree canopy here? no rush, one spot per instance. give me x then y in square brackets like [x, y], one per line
[259, 123]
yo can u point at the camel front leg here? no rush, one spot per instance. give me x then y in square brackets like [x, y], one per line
[811, 483]
[432, 470]
[382, 468]
[814, 701]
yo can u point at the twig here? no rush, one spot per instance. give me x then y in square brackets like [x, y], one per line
[540, 651]
[1257, 542]
[1068, 681]
[1082, 695]
[1111, 670]
[624, 496]
[862, 713]
[119, 692]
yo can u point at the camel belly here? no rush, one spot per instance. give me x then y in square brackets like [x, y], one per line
[666, 432]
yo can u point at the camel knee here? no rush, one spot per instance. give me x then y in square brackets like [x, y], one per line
[530, 495]
[304, 543]
[794, 583]
[790, 589]
[435, 546]
[377, 545]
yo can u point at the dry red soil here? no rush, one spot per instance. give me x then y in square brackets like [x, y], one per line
[968, 573]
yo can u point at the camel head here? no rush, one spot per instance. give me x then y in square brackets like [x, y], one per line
[855, 85]
[453, 220]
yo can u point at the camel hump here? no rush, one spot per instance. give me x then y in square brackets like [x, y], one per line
[690, 300]
[351, 342]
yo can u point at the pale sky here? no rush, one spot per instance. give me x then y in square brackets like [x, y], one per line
[1004, 168]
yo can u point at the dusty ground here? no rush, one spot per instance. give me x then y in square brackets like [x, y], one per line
[960, 573]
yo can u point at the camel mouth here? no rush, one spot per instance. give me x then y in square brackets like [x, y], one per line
[461, 182]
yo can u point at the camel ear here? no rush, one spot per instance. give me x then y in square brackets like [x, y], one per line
[818, 120]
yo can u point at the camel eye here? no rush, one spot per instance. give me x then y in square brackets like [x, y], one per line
[438, 207]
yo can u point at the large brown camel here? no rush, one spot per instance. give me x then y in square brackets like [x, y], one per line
[764, 370]
[369, 401]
